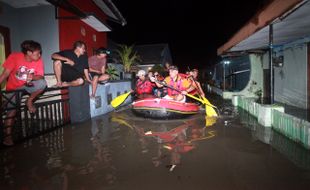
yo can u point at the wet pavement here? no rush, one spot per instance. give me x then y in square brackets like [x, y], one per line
[122, 151]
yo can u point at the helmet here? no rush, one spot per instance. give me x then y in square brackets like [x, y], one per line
[141, 73]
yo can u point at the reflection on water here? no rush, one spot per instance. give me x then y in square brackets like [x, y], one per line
[173, 139]
[117, 150]
[17, 170]
[293, 151]
[89, 151]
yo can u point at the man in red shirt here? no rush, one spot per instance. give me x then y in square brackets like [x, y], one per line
[97, 64]
[24, 71]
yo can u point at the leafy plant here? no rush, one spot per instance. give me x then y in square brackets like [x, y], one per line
[127, 57]
[112, 72]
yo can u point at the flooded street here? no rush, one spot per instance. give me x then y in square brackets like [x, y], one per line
[122, 151]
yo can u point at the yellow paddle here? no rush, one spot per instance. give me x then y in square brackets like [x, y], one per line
[119, 99]
[210, 111]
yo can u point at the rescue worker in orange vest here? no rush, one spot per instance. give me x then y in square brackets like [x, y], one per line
[144, 87]
[196, 84]
[174, 80]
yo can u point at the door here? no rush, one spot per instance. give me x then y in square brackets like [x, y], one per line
[5, 46]
[5, 49]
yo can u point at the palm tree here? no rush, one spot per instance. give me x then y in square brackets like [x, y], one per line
[127, 57]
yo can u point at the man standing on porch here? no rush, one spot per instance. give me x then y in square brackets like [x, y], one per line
[71, 66]
[25, 71]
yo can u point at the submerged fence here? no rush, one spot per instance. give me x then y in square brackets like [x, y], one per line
[292, 127]
[52, 112]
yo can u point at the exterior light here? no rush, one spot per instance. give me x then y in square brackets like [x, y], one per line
[226, 62]
[96, 24]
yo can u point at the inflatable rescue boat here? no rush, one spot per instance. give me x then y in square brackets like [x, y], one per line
[158, 108]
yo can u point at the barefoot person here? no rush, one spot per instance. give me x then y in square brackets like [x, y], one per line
[97, 64]
[71, 66]
[25, 71]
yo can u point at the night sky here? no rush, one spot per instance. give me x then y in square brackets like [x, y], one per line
[193, 29]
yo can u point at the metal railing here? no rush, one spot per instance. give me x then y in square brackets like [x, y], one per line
[52, 111]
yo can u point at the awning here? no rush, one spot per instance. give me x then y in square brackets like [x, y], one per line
[108, 7]
[89, 18]
[291, 21]
[96, 24]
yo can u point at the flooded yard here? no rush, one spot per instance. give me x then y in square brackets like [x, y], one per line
[122, 151]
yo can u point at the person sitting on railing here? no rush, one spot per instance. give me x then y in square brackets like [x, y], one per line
[71, 66]
[144, 87]
[177, 86]
[97, 65]
[25, 71]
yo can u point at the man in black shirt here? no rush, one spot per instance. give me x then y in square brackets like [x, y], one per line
[71, 66]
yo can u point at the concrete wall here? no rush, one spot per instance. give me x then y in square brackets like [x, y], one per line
[44, 30]
[291, 79]
[255, 82]
[106, 93]
[34, 23]
[9, 18]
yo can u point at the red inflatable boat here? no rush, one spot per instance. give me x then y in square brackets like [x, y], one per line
[158, 108]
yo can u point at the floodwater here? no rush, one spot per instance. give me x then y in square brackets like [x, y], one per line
[122, 151]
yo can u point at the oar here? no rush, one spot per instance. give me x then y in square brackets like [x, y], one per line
[119, 99]
[209, 112]
[209, 107]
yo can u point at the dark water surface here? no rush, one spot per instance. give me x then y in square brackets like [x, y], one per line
[122, 151]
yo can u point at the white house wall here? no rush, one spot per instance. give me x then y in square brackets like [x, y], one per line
[255, 82]
[33, 23]
[10, 19]
[291, 79]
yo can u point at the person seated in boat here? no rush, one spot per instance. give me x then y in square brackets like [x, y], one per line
[150, 74]
[144, 87]
[159, 92]
[193, 77]
[166, 69]
[177, 86]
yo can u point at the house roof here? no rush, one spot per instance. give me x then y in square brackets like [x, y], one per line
[107, 6]
[151, 53]
[290, 19]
